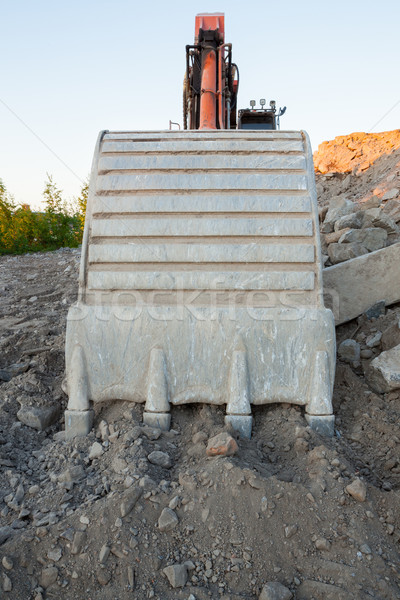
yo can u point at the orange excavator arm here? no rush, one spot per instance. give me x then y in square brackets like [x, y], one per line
[210, 89]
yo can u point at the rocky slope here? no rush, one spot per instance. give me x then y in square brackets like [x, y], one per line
[129, 512]
[359, 207]
[356, 152]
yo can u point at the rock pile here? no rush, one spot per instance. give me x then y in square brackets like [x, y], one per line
[359, 210]
[349, 230]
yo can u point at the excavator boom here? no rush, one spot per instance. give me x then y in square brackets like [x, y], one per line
[209, 82]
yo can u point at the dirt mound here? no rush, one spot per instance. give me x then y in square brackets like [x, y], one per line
[356, 152]
[128, 512]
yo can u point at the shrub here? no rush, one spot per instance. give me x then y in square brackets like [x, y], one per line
[23, 230]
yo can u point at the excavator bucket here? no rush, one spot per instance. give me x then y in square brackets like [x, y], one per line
[201, 279]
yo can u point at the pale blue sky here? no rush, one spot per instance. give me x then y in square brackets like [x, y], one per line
[70, 69]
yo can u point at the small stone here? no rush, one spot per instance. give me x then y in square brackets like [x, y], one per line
[375, 340]
[72, 474]
[322, 544]
[68, 534]
[131, 577]
[390, 194]
[273, 590]
[13, 370]
[161, 459]
[7, 584]
[103, 576]
[199, 436]
[376, 310]
[290, 530]
[54, 554]
[78, 542]
[358, 490]
[167, 520]
[152, 433]
[349, 351]
[301, 446]
[222, 444]
[19, 494]
[174, 503]
[84, 520]
[147, 483]
[59, 436]
[38, 417]
[5, 533]
[104, 554]
[176, 575]
[365, 549]
[326, 228]
[96, 450]
[104, 430]
[7, 563]
[129, 501]
[48, 577]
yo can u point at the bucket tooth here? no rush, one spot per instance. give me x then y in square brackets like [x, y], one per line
[319, 408]
[77, 381]
[156, 410]
[322, 424]
[78, 416]
[78, 423]
[238, 407]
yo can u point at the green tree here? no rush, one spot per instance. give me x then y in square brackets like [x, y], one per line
[60, 228]
[81, 203]
[24, 230]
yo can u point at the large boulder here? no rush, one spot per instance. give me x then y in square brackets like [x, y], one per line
[341, 252]
[273, 590]
[354, 220]
[391, 335]
[372, 238]
[383, 373]
[38, 417]
[339, 207]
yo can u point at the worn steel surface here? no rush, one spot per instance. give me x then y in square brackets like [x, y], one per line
[200, 278]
